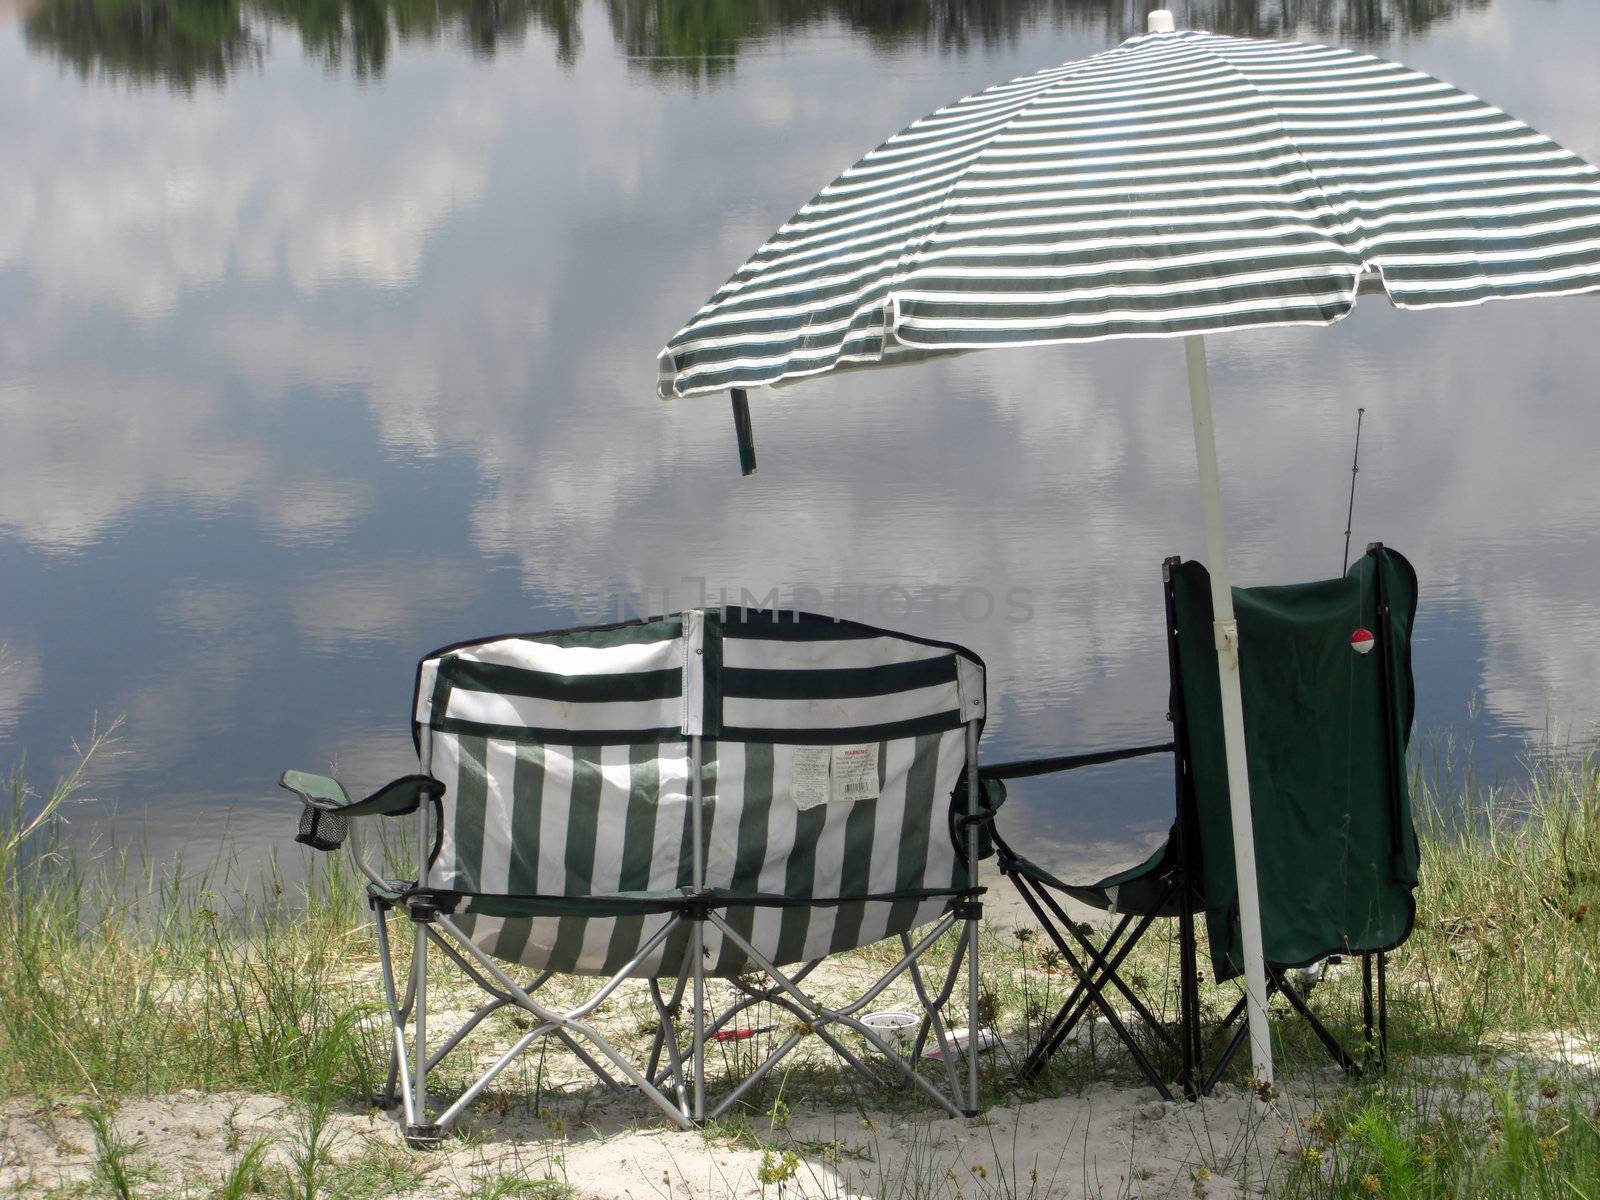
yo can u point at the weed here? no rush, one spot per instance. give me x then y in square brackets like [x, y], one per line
[247, 1175]
[113, 1169]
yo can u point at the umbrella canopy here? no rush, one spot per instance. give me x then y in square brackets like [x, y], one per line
[1179, 183]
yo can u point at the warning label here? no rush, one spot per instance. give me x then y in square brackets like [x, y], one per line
[833, 774]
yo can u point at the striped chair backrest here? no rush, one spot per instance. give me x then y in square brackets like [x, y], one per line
[830, 751]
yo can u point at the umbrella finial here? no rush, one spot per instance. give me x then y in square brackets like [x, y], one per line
[1160, 21]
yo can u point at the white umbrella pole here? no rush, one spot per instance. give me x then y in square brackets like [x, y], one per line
[1227, 635]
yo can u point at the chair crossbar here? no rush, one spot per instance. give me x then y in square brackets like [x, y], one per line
[666, 1040]
[1374, 1052]
[1089, 990]
[573, 1020]
[567, 1027]
[933, 1021]
[1097, 955]
[1298, 1002]
[817, 1017]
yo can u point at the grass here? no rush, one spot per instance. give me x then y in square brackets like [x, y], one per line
[1508, 935]
[123, 982]
[247, 1175]
[1505, 959]
[1500, 1136]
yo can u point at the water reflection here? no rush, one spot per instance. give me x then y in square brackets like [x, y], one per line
[183, 43]
[359, 35]
[704, 38]
[1360, 21]
[300, 378]
[180, 42]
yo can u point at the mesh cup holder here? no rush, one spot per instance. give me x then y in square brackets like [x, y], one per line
[321, 830]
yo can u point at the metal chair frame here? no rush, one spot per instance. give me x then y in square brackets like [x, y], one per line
[678, 1087]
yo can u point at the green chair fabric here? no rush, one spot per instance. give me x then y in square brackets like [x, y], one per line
[1138, 889]
[1326, 730]
[566, 837]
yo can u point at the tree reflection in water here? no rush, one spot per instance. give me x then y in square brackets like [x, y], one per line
[182, 43]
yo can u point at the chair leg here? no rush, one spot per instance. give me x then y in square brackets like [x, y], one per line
[974, 1025]
[420, 1132]
[400, 1012]
[697, 1048]
[667, 1039]
[398, 1086]
[1226, 1056]
[1237, 1041]
[1152, 1022]
[408, 1066]
[1095, 994]
[1368, 1023]
[1188, 999]
[1383, 1011]
[1123, 1032]
[1067, 1015]
[1234, 1014]
[932, 1021]
[1277, 986]
[559, 1024]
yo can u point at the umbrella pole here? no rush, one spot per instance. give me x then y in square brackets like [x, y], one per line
[1227, 636]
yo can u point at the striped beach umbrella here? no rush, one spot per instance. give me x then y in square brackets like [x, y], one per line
[1180, 184]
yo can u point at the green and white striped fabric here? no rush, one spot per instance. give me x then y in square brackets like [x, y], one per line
[830, 755]
[1180, 183]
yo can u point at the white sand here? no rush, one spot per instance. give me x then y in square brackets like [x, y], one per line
[1109, 1141]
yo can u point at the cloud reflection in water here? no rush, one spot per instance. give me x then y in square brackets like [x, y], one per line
[301, 378]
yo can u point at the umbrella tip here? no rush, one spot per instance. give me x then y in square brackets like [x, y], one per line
[1159, 21]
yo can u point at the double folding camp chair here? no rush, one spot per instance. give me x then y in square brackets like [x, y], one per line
[1326, 677]
[717, 794]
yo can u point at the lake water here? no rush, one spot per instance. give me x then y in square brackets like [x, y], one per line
[323, 344]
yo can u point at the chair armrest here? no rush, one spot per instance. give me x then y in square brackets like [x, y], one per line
[992, 792]
[319, 791]
[324, 821]
[393, 799]
[1068, 762]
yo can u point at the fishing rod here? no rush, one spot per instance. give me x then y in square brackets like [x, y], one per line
[1349, 516]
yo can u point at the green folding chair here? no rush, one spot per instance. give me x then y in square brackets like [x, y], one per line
[1328, 705]
[717, 794]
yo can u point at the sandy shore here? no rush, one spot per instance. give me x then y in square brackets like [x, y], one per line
[1105, 1141]
[1108, 1141]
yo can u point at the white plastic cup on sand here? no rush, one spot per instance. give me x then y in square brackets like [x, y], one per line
[896, 1028]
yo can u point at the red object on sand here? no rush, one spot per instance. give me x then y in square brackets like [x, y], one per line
[739, 1035]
